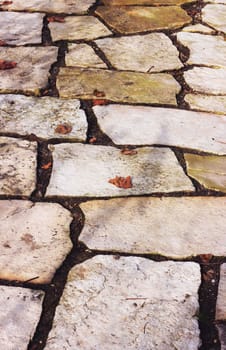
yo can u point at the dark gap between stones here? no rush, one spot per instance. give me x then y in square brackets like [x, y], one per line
[194, 10]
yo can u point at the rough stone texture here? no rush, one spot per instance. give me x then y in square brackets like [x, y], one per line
[210, 171]
[136, 19]
[140, 125]
[82, 55]
[207, 80]
[84, 170]
[136, 303]
[221, 300]
[17, 166]
[222, 335]
[14, 28]
[20, 310]
[78, 27]
[143, 2]
[30, 248]
[147, 53]
[198, 28]
[204, 49]
[32, 70]
[216, 1]
[41, 116]
[215, 15]
[215, 104]
[117, 86]
[174, 227]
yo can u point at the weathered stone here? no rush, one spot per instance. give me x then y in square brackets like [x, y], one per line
[20, 310]
[222, 335]
[14, 28]
[207, 80]
[32, 70]
[204, 49]
[198, 28]
[127, 303]
[147, 53]
[221, 300]
[41, 117]
[143, 2]
[82, 55]
[78, 27]
[173, 227]
[31, 249]
[84, 170]
[117, 86]
[140, 125]
[17, 166]
[215, 15]
[215, 104]
[216, 1]
[136, 19]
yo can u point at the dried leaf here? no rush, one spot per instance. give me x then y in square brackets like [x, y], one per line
[128, 152]
[92, 140]
[63, 129]
[100, 102]
[7, 64]
[209, 275]
[46, 166]
[2, 43]
[98, 93]
[205, 258]
[4, 3]
[121, 182]
[58, 19]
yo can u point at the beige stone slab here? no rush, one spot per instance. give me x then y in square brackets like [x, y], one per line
[17, 166]
[131, 87]
[20, 310]
[82, 55]
[143, 2]
[214, 15]
[143, 53]
[215, 104]
[78, 27]
[128, 303]
[42, 117]
[32, 70]
[34, 240]
[139, 125]
[221, 299]
[85, 170]
[136, 19]
[198, 28]
[173, 227]
[216, 1]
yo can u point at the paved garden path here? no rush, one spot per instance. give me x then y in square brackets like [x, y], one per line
[113, 175]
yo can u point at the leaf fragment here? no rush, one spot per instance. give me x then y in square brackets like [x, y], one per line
[3, 42]
[121, 182]
[98, 93]
[128, 152]
[92, 139]
[58, 19]
[46, 166]
[4, 3]
[7, 64]
[63, 129]
[100, 102]
[205, 258]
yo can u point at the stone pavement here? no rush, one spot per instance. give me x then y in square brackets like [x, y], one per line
[112, 175]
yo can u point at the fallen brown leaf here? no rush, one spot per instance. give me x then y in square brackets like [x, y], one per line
[6, 3]
[58, 19]
[121, 182]
[2, 43]
[92, 140]
[100, 102]
[98, 93]
[63, 129]
[128, 152]
[46, 166]
[7, 64]
[209, 275]
[205, 258]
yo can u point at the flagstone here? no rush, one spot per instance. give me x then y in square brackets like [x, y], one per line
[216, 1]
[78, 27]
[31, 249]
[32, 70]
[20, 310]
[169, 226]
[85, 170]
[131, 87]
[214, 15]
[13, 28]
[143, 2]
[82, 55]
[17, 166]
[111, 303]
[140, 125]
[137, 19]
[198, 28]
[221, 300]
[147, 53]
[215, 104]
[41, 117]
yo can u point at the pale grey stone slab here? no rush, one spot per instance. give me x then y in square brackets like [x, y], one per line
[221, 298]
[20, 310]
[32, 70]
[78, 27]
[198, 28]
[216, 1]
[14, 28]
[85, 170]
[214, 15]
[215, 104]
[34, 240]
[222, 335]
[128, 303]
[174, 227]
[140, 125]
[17, 166]
[143, 53]
[82, 55]
[42, 117]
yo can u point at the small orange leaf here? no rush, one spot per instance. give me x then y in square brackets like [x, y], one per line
[7, 64]
[121, 182]
[128, 152]
[100, 102]
[46, 166]
[58, 19]
[92, 139]
[63, 129]
[98, 93]
[205, 258]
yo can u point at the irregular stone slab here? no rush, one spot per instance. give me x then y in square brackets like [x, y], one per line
[78, 27]
[215, 15]
[20, 310]
[37, 249]
[222, 335]
[82, 55]
[210, 171]
[17, 166]
[147, 53]
[191, 225]
[32, 70]
[84, 170]
[41, 117]
[221, 300]
[216, 1]
[143, 2]
[202, 47]
[13, 28]
[140, 125]
[116, 86]
[207, 80]
[198, 28]
[137, 19]
[148, 295]
[215, 104]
